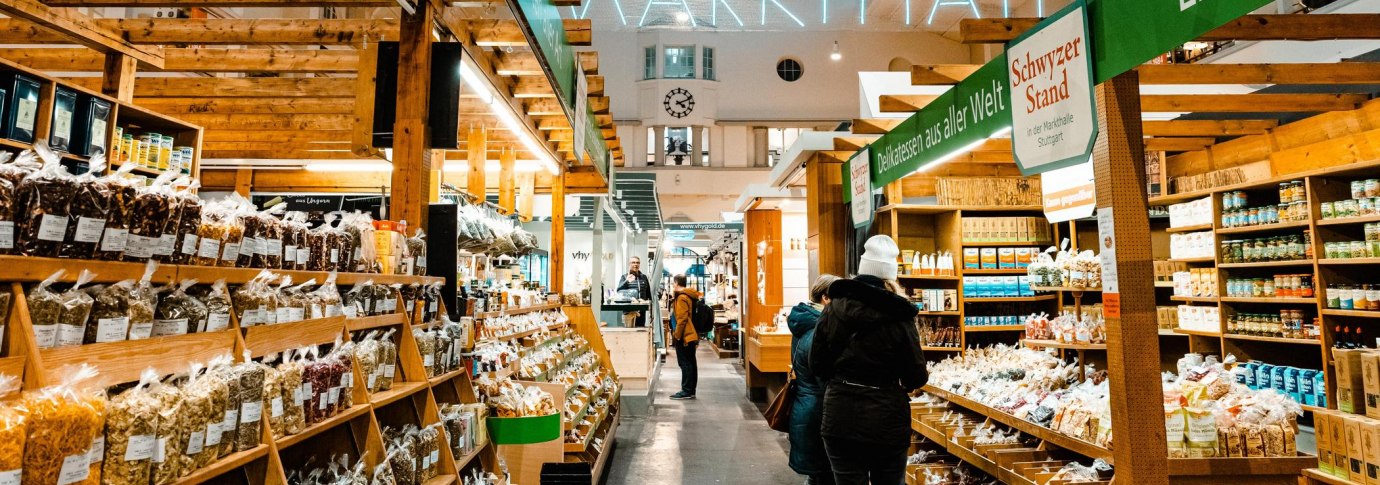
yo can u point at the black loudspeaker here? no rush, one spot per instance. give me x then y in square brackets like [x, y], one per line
[442, 256]
[444, 116]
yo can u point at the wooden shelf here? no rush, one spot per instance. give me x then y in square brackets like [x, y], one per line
[1051, 344]
[1278, 299]
[367, 323]
[1168, 332]
[1066, 289]
[1164, 284]
[978, 244]
[1316, 475]
[940, 314]
[1268, 264]
[1278, 340]
[929, 277]
[1351, 313]
[119, 362]
[996, 299]
[438, 380]
[1198, 333]
[441, 480]
[400, 390]
[355, 411]
[1192, 228]
[262, 340]
[940, 349]
[30, 269]
[940, 209]
[224, 465]
[1194, 299]
[994, 328]
[12, 366]
[983, 272]
[1200, 259]
[1347, 261]
[462, 461]
[1049, 436]
[508, 312]
[1336, 221]
[1263, 227]
[1260, 184]
[1312, 409]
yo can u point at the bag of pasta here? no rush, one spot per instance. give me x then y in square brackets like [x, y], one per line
[88, 210]
[143, 304]
[76, 310]
[110, 313]
[131, 432]
[189, 208]
[62, 422]
[179, 313]
[12, 434]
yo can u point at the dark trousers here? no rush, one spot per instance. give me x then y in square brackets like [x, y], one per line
[689, 368]
[858, 463]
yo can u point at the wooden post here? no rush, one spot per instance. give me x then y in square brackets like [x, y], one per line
[1133, 356]
[557, 265]
[411, 186]
[244, 180]
[827, 217]
[526, 192]
[118, 79]
[507, 181]
[763, 236]
[478, 151]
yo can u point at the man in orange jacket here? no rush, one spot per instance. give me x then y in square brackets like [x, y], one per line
[684, 338]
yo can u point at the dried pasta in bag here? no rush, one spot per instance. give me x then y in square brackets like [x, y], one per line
[41, 205]
[12, 432]
[131, 430]
[110, 313]
[76, 309]
[179, 313]
[61, 423]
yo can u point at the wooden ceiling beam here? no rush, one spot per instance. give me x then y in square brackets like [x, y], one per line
[179, 106]
[507, 33]
[518, 64]
[548, 123]
[1250, 103]
[1178, 144]
[599, 104]
[940, 74]
[901, 103]
[875, 126]
[232, 87]
[544, 106]
[279, 154]
[1296, 73]
[82, 30]
[1207, 127]
[1361, 26]
[304, 136]
[270, 122]
[533, 87]
[851, 143]
[196, 60]
[595, 84]
[589, 60]
[257, 31]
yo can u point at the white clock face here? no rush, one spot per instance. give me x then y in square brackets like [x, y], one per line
[679, 103]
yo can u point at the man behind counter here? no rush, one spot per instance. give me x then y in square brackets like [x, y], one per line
[637, 280]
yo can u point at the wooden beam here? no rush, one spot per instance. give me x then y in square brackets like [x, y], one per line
[1363, 26]
[940, 74]
[526, 192]
[280, 154]
[533, 87]
[291, 137]
[901, 103]
[477, 150]
[1207, 127]
[519, 64]
[234, 87]
[1301, 73]
[600, 104]
[365, 84]
[244, 180]
[579, 32]
[275, 144]
[875, 126]
[270, 122]
[176, 106]
[298, 181]
[851, 143]
[557, 256]
[1250, 103]
[1177, 144]
[81, 29]
[589, 60]
[544, 106]
[257, 31]
[196, 60]
[595, 84]
[412, 154]
[118, 79]
[507, 180]
[222, 3]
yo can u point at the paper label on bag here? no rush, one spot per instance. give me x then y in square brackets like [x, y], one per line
[347, 379]
[217, 321]
[251, 412]
[11, 477]
[336, 310]
[431, 307]
[266, 316]
[232, 419]
[372, 379]
[297, 314]
[189, 244]
[435, 456]
[62, 127]
[160, 450]
[137, 246]
[335, 395]
[52, 228]
[97, 452]
[410, 306]
[289, 254]
[282, 315]
[46, 335]
[335, 255]
[195, 442]
[75, 468]
[277, 405]
[6, 235]
[306, 391]
[115, 240]
[176, 326]
[390, 305]
[166, 244]
[208, 248]
[89, 230]
[111, 329]
[303, 254]
[26, 112]
[349, 311]
[428, 360]
[297, 395]
[388, 370]
[250, 246]
[213, 433]
[70, 334]
[249, 317]
[316, 312]
[140, 331]
[140, 447]
[274, 247]
[98, 127]
[322, 401]
[231, 252]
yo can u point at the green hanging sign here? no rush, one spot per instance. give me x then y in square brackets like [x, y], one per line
[1126, 33]
[543, 19]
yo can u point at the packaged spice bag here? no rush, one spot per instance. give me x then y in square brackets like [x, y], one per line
[122, 189]
[290, 375]
[251, 377]
[110, 313]
[131, 430]
[151, 217]
[416, 254]
[402, 456]
[217, 232]
[271, 238]
[209, 428]
[143, 304]
[189, 208]
[256, 301]
[221, 435]
[388, 359]
[179, 313]
[218, 307]
[45, 309]
[327, 298]
[342, 366]
[367, 359]
[41, 205]
[76, 310]
[167, 449]
[12, 432]
[252, 246]
[426, 344]
[285, 312]
[273, 402]
[61, 423]
[88, 209]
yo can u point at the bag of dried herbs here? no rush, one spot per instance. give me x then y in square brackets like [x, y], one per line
[221, 435]
[290, 376]
[402, 456]
[122, 188]
[388, 359]
[189, 208]
[61, 423]
[214, 231]
[256, 301]
[179, 313]
[131, 431]
[273, 402]
[41, 205]
[271, 238]
[328, 299]
[167, 449]
[416, 253]
[251, 377]
[45, 310]
[236, 242]
[343, 364]
[143, 303]
[150, 219]
[355, 303]
[367, 359]
[211, 395]
[218, 306]
[426, 344]
[88, 209]
[295, 250]
[110, 313]
[76, 310]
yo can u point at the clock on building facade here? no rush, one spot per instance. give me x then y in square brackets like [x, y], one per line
[679, 103]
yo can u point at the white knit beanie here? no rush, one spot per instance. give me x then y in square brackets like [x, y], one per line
[879, 258]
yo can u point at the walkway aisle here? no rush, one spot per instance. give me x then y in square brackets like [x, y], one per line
[719, 437]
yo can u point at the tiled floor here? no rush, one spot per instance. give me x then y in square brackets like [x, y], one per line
[719, 437]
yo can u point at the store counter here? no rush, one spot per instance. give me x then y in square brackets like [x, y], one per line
[630, 349]
[768, 356]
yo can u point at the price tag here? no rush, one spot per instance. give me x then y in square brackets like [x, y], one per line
[170, 327]
[166, 244]
[232, 419]
[195, 442]
[160, 450]
[139, 246]
[347, 379]
[189, 244]
[140, 447]
[277, 404]
[97, 452]
[250, 412]
[335, 395]
[52, 228]
[75, 468]
[7, 240]
[10, 477]
[283, 315]
[322, 401]
[335, 255]
[115, 240]
[89, 230]
[372, 379]
[208, 248]
[303, 254]
[46, 335]
[388, 370]
[273, 247]
[140, 331]
[231, 252]
[70, 334]
[213, 432]
[217, 321]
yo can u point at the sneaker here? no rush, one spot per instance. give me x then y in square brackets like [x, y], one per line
[681, 396]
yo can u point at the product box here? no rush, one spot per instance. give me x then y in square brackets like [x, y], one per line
[1370, 446]
[989, 258]
[21, 117]
[64, 116]
[1264, 376]
[1024, 256]
[970, 258]
[1006, 258]
[1023, 283]
[1338, 440]
[1355, 453]
[1370, 377]
[1307, 394]
[1350, 381]
[1321, 423]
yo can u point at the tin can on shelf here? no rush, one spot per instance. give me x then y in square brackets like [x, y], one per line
[1327, 210]
[1358, 189]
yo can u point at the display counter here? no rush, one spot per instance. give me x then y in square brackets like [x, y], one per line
[768, 356]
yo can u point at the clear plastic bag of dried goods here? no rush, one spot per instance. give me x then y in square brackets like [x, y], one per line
[355, 303]
[7, 205]
[274, 403]
[45, 309]
[12, 431]
[295, 301]
[150, 220]
[61, 423]
[122, 188]
[281, 312]
[167, 448]
[41, 205]
[179, 313]
[143, 304]
[327, 300]
[388, 359]
[220, 431]
[270, 248]
[367, 360]
[76, 310]
[189, 208]
[88, 209]
[251, 383]
[255, 301]
[218, 307]
[291, 373]
[416, 253]
[131, 432]
[217, 230]
[402, 457]
[209, 392]
[110, 313]
[296, 243]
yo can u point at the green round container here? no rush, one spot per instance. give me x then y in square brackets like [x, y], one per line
[525, 430]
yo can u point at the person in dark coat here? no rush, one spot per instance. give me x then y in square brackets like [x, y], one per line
[807, 411]
[637, 280]
[867, 350]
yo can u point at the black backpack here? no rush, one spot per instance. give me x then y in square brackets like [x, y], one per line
[701, 316]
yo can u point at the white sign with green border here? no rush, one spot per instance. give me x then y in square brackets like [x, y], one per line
[1054, 117]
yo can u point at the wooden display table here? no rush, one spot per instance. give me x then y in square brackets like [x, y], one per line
[768, 357]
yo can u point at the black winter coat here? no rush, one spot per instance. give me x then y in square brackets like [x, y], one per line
[867, 349]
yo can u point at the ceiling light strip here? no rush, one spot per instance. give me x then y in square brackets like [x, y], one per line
[506, 114]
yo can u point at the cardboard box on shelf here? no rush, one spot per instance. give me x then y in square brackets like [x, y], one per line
[1355, 453]
[1370, 371]
[989, 258]
[1323, 437]
[1337, 424]
[1350, 381]
[1370, 445]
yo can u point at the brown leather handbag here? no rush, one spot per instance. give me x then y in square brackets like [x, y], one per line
[778, 414]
